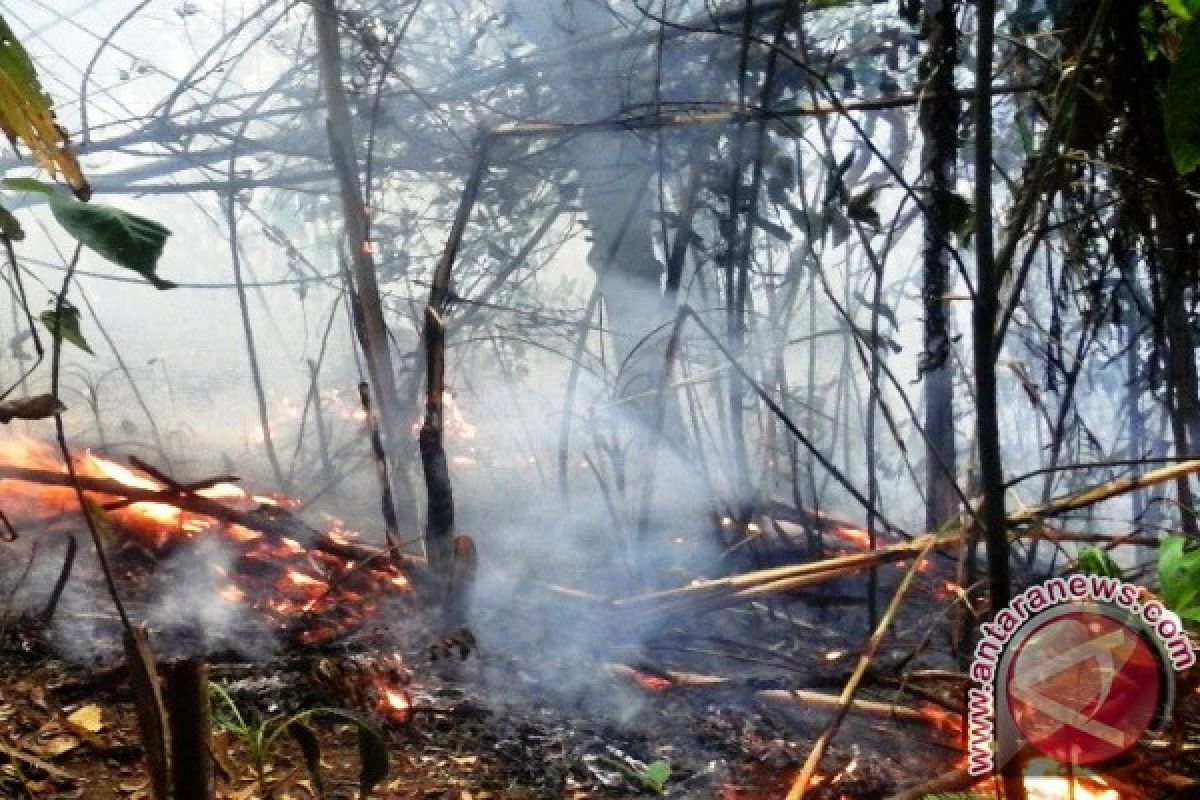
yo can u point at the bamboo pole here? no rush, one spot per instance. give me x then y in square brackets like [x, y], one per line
[721, 592]
[846, 699]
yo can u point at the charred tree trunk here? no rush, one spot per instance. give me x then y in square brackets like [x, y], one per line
[439, 527]
[186, 696]
[939, 116]
[373, 334]
[986, 349]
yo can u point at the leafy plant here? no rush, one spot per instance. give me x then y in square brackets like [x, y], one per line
[1095, 561]
[262, 736]
[1178, 574]
[1181, 102]
[1179, 578]
[650, 777]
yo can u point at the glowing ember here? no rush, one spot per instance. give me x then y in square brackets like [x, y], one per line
[395, 704]
[855, 536]
[1048, 780]
[651, 683]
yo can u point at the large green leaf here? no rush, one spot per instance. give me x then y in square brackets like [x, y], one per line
[1184, 9]
[1179, 577]
[65, 325]
[1095, 561]
[125, 239]
[655, 775]
[1181, 105]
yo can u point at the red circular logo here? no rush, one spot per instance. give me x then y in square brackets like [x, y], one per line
[1083, 687]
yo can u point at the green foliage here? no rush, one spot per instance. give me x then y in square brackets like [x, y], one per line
[1184, 9]
[9, 226]
[861, 207]
[958, 216]
[125, 239]
[262, 736]
[655, 776]
[63, 323]
[1181, 103]
[1095, 561]
[650, 777]
[1179, 578]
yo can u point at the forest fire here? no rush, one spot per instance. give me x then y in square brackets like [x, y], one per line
[312, 593]
[1048, 780]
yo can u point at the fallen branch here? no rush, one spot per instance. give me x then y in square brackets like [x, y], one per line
[846, 699]
[722, 592]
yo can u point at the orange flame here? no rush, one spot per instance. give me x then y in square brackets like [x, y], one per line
[1046, 779]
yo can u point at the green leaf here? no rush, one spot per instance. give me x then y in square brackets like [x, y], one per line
[1181, 103]
[66, 326]
[958, 216]
[861, 207]
[27, 185]
[1095, 561]
[1179, 575]
[125, 239]
[1184, 9]
[9, 226]
[310, 749]
[373, 759]
[372, 748]
[655, 776]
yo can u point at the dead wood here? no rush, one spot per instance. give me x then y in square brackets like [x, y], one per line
[722, 592]
[34, 761]
[186, 697]
[439, 527]
[804, 697]
[269, 520]
[148, 706]
[846, 699]
[391, 525]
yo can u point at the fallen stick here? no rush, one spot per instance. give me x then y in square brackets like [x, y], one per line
[846, 699]
[721, 592]
[34, 761]
[870, 708]
[947, 783]
[808, 697]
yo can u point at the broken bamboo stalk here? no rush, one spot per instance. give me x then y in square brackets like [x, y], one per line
[806, 697]
[846, 699]
[721, 592]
